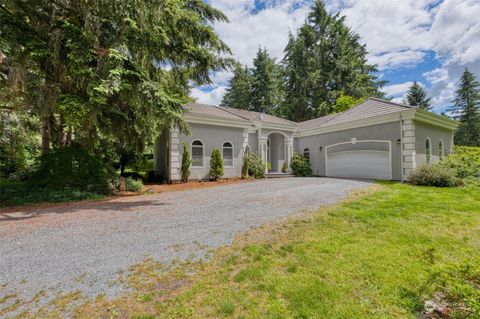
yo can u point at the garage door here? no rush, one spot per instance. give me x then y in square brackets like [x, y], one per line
[359, 163]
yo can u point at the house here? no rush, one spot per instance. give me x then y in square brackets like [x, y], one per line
[376, 139]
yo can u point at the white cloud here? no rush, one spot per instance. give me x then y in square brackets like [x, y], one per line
[398, 91]
[398, 34]
[212, 97]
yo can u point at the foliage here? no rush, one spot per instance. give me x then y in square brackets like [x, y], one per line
[467, 110]
[74, 168]
[245, 168]
[464, 161]
[111, 71]
[384, 245]
[216, 164]
[256, 168]
[322, 61]
[300, 165]
[238, 93]
[18, 142]
[284, 167]
[345, 102]
[417, 96]
[460, 283]
[433, 175]
[265, 87]
[24, 193]
[133, 185]
[186, 162]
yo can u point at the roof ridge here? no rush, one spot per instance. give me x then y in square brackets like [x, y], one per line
[390, 102]
[225, 109]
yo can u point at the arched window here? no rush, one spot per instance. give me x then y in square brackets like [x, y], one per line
[441, 150]
[197, 154]
[306, 153]
[428, 151]
[227, 152]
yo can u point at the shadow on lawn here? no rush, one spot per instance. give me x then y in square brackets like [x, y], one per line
[21, 213]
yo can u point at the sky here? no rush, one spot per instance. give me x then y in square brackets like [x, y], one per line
[429, 41]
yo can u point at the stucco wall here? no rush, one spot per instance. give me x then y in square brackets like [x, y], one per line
[253, 142]
[435, 133]
[388, 131]
[215, 136]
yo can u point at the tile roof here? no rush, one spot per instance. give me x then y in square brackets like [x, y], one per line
[210, 111]
[369, 108]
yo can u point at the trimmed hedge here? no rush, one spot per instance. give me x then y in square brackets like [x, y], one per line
[465, 162]
[216, 165]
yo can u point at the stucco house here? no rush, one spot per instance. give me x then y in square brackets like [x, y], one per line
[376, 139]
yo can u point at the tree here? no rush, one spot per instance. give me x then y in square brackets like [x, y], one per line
[324, 60]
[186, 162]
[344, 103]
[238, 91]
[265, 84]
[216, 164]
[417, 96]
[119, 69]
[466, 108]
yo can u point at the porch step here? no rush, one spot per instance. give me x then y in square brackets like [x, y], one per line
[279, 175]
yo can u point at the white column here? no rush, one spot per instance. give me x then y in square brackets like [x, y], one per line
[262, 145]
[408, 147]
[288, 151]
[174, 154]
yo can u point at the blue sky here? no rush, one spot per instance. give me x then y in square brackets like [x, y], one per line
[430, 41]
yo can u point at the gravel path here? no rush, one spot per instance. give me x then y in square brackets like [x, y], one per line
[84, 246]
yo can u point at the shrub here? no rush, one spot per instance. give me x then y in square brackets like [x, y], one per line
[433, 175]
[186, 162]
[465, 162]
[133, 185]
[74, 168]
[285, 167]
[256, 168]
[300, 165]
[216, 165]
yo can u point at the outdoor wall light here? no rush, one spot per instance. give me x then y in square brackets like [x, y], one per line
[320, 148]
[399, 141]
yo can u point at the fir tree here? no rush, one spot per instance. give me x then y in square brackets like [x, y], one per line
[417, 96]
[265, 84]
[238, 91]
[466, 109]
[323, 61]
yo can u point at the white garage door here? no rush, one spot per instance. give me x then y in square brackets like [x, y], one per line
[359, 164]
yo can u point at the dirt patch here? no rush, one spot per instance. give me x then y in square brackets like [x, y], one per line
[160, 188]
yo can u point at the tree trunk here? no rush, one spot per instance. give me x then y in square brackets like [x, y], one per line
[62, 134]
[45, 134]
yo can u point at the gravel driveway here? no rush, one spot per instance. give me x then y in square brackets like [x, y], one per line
[52, 248]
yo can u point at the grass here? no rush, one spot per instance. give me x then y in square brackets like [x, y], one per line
[381, 254]
[24, 193]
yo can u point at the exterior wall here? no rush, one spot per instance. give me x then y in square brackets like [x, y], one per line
[214, 137]
[435, 134]
[276, 151]
[388, 131]
[253, 142]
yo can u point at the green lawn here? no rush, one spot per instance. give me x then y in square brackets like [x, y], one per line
[378, 255]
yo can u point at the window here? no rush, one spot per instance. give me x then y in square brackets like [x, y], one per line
[197, 154]
[227, 152]
[441, 150]
[428, 151]
[306, 154]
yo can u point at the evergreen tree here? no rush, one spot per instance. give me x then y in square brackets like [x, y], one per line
[238, 91]
[265, 85]
[323, 61]
[466, 108]
[417, 96]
